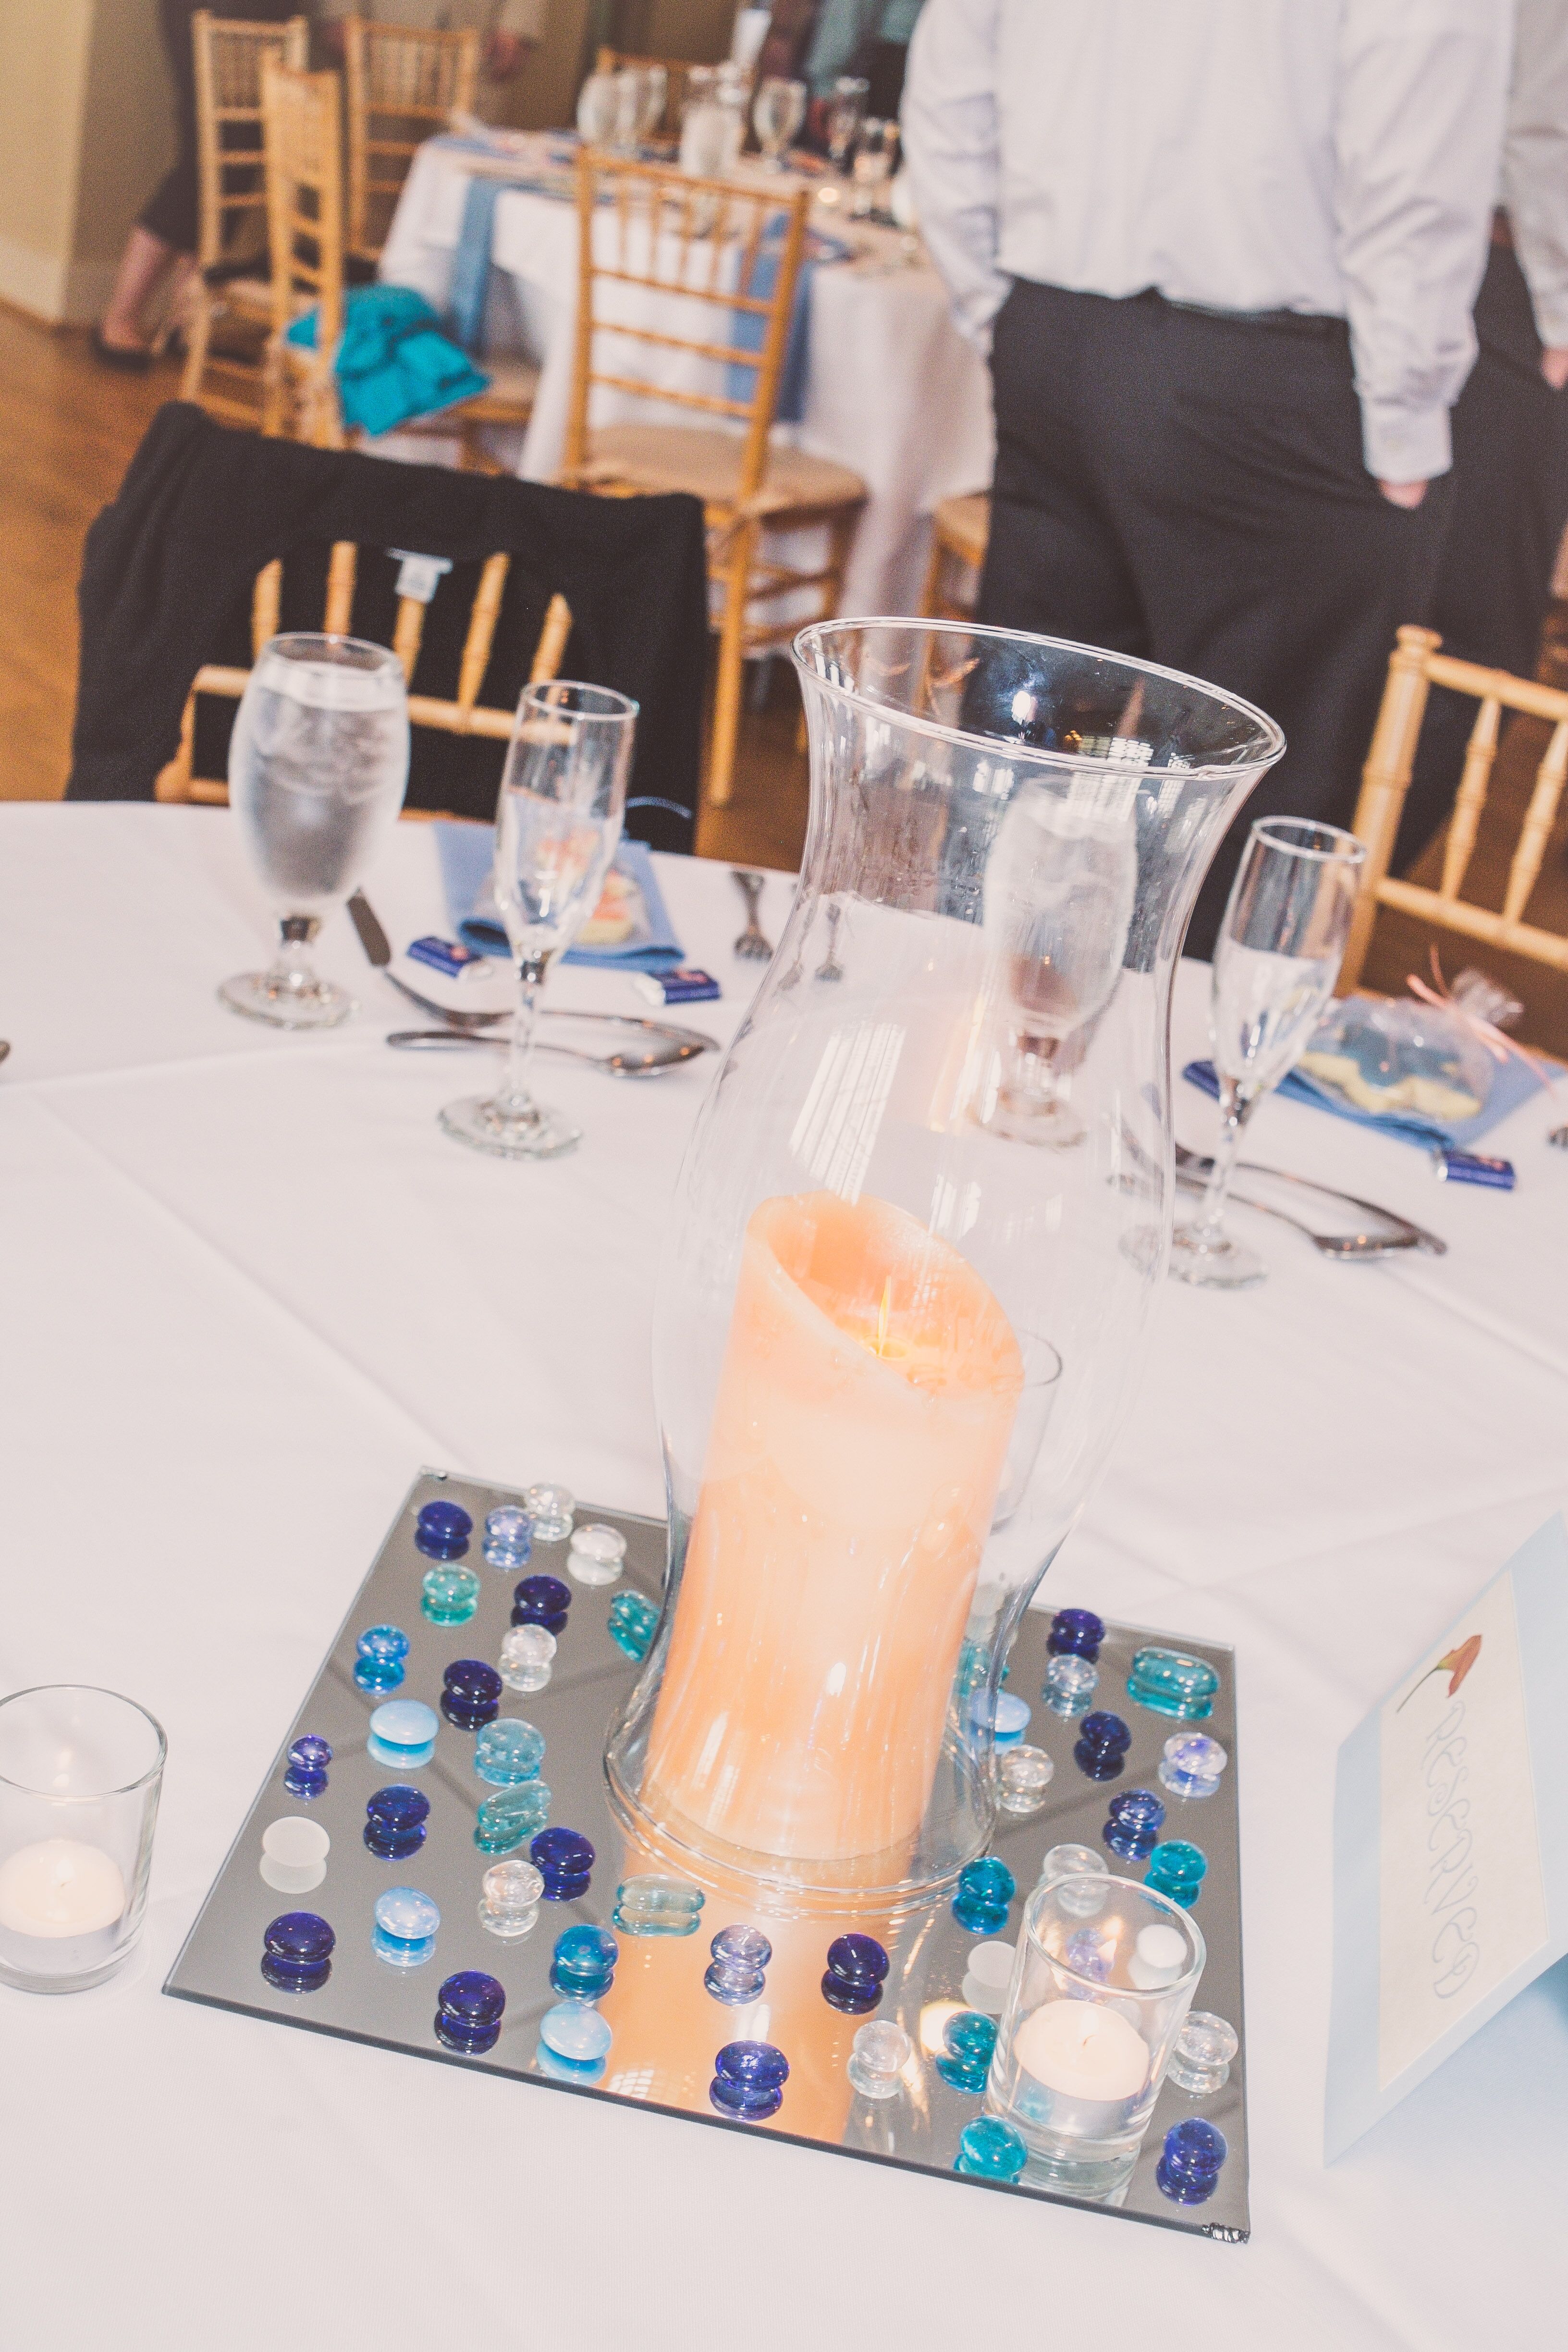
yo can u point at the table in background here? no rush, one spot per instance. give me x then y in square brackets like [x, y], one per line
[250, 1288]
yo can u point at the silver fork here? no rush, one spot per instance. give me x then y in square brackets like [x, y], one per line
[830, 968]
[754, 943]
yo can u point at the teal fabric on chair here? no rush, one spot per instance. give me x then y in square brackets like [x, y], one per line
[392, 362]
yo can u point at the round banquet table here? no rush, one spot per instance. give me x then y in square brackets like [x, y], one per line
[250, 1289]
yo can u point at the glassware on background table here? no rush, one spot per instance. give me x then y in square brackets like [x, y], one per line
[776, 116]
[598, 104]
[631, 97]
[318, 765]
[1102, 1982]
[875, 159]
[1275, 964]
[895, 1327]
[557, 823]
[80, 1771]
[655, 95]
[846, 112]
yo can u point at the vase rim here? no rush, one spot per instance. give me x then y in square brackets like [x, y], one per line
[1271, 736]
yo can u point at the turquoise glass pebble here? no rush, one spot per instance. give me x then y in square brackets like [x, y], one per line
[632, 1622]
[1170, 1683]
[381, 1657]
[583, 1965]
[403, 1734]
[990, 2150]
[576, 2036]
[405, 1925]
[651, 1906]
[511, 1816]
[1178, 1870]
[508, 1752]
[449, 1596]
[968, 2040]
[984, 1890]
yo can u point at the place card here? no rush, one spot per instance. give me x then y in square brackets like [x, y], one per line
[1451, 1842]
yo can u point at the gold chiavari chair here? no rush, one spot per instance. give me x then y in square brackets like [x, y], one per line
[463, 714]
[229, 301]
[1415, 666]
[402, 86]
[961, 529]
[305, 234]
[654, 242]
[677, 72]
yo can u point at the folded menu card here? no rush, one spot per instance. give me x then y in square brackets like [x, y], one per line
[1451, 1841]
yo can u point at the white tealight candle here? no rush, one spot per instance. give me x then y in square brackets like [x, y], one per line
[1082, 2051]
[60, 1886]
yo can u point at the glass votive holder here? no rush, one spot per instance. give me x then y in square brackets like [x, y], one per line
[1191, 1764]
[551, 1509]
[1200, 2064]
[1084, 2045]
[1023, 1776]
[80, 1771]
[509, 1899]
[527, 1657]
[597, 1555]
[1069, 1684]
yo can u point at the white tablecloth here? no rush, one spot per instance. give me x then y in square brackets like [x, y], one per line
[892, 389]
[249, 1288]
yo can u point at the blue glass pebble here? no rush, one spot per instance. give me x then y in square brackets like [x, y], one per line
[470, 2010]
[632, 1622]
[1102, 1742]
[973, 1665]
[542, 1600]
[1170, 1683]
[1075, 1633]
[990, 2150]
[736, 1974]
[470, 1693]
[509, 1752]
[1191, 2162]
[406, 1924]
[394, 1822]
[509, 1537]
[564, 1860]
[968, 2040]
[648, 1904]
[1136, 1818]
[297, 1952]
[1007, 1715]
[857, 1968]
[403, 1734]
[576, 2036]
[1178, 1870]
[584, 1966]
[381, 1657]
[305, 1775]
[1191, 1764]
[512, 1815]
[748, 2080]
[449, 1596]
[442, 1530]
[1088, 1954]
[984, 1890]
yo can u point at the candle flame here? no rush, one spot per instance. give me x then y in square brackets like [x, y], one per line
[883, 1314]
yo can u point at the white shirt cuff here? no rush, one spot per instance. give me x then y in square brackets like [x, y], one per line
[1404, 444]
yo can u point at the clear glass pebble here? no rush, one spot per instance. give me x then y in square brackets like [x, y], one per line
[736, 1974]
[1076, 1861]
[527, 1657]
[597, 1555]
[509, 1899]
[878, 2057]
[1191, 1764]
[509, 1537]
[1205, 2045]
[508, 1752]
[1069, 1684]
[649, 1905]
[551, 1509]
[1023, 1776]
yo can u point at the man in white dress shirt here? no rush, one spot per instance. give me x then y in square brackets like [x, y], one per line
[1224, 254]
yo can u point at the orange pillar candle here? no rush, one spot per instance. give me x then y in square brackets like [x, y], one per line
[862, 1419]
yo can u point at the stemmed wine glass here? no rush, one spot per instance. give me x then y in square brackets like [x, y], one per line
[557, 823]
[846, 112]
[876, 153]
[777, 115]
[318, 765]
[1276, 962]
[598, 106]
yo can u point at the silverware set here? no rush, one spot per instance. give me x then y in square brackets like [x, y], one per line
[753, 944]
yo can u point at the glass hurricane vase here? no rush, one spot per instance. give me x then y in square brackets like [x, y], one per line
[920, 1223]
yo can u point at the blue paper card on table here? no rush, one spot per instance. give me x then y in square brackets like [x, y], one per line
[1451, 1842]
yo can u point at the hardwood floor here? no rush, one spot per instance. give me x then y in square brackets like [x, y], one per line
[69, 427]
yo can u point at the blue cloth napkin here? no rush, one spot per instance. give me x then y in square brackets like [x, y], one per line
[394, 361]
[466, 853]
[748, 329]
[1514, 1083]
[470, 286]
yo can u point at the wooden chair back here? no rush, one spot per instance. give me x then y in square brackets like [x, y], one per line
[305, 234]
[734, 249]
[464, 714]
[1415, 666]
[228, 53]
[677, 72]
[401, 87]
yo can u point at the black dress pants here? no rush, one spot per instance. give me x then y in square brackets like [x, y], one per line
[1510, 509]
[1191, 489]
[170, 210]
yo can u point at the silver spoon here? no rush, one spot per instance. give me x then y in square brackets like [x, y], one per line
[649, 1063]
[754, 943]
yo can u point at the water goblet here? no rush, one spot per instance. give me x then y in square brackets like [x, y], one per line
[318, 765]
[630, 96]
[1276, 962]
[598, 103]
[876, 154]
[557, 824]
[777, 115]
[846, 112]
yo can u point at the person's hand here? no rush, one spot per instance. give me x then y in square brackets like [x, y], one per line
[1402, 494]
[503, 55]
[1554, 365]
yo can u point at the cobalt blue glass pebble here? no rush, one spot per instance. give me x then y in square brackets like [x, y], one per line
[856, 1967]
[443, 1531]
[403, 1734]
[984, 1890]
[512, 1815]
[468, 2014]
[563, 1859]
[394, 1822]
[1191, 2162]
[1178, 1870]
[1075, 1633]
[1102, 1741]
[470, 1693]
[968, 2038]
[573, 2042]
[509, 1537]
[1137, 1817]
[632, 1622]
[297, 1952]
[736, 1975]
[448, 1596]
[542, 1600]
[381, 1657]
[748, 2080]
[509, 1752]
[403, 1935]
[305, 1775]
[990, 2150]
[1088, 1954]
[1170, 1683]
[583, 1965]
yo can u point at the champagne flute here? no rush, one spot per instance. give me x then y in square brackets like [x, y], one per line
[318, 765]
[779, 111]
[875, 152]
[1276, 962]
[557, 823]
[846, 112]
